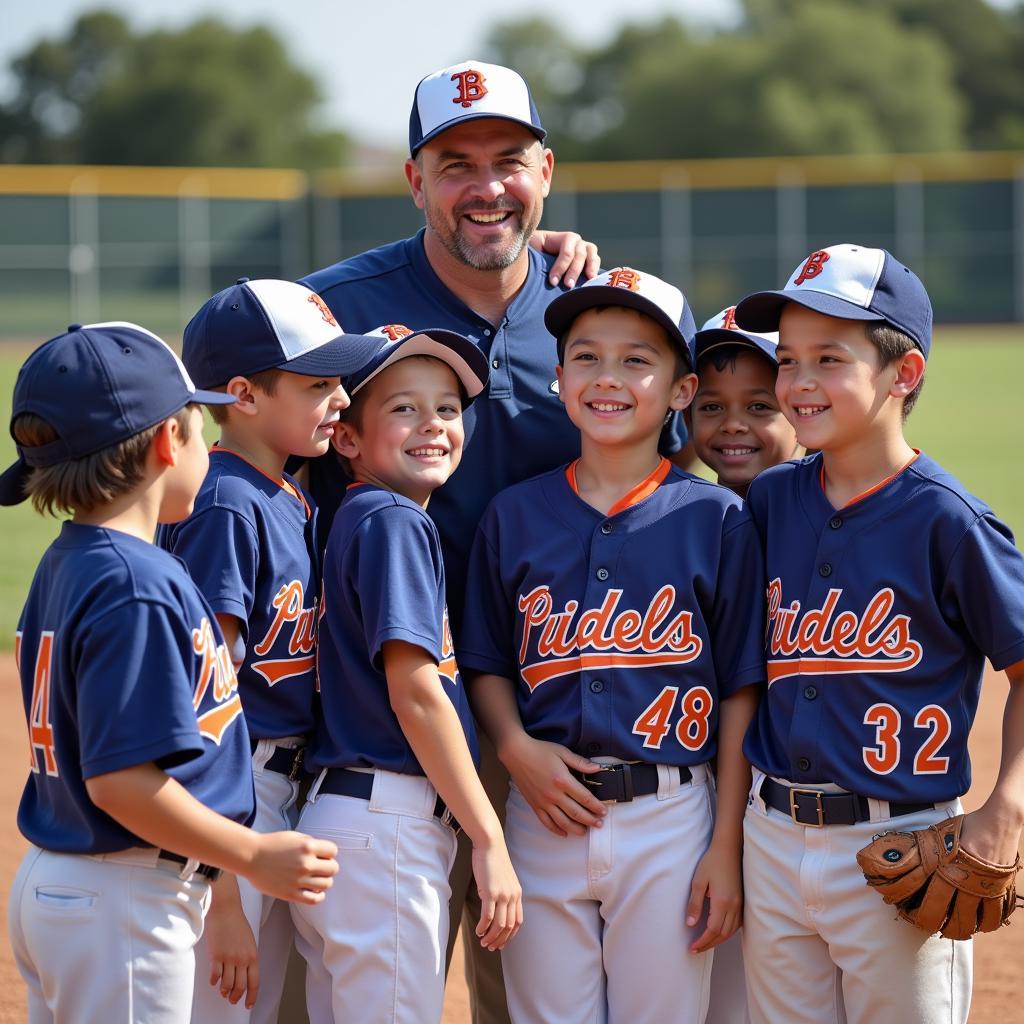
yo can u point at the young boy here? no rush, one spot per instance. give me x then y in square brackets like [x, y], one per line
[392, 749]
[138, 748]
[614, 622]
[250, 546]
[889, 586]
[735, 421]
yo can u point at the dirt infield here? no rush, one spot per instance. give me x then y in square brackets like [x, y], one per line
[997, 957]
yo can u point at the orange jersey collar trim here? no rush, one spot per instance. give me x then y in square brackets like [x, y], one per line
[634, 495]
[285, 485]
[877, 487]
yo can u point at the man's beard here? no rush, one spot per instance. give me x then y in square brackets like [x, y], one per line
[483, 256]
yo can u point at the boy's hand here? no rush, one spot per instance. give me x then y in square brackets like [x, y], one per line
[501, 895]
[991, 833]
[563, 804]
[292, 866]
[718, 879]
[576, 256]
[234, 958]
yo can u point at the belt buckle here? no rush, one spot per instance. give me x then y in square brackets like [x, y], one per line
[297, 762]
[626, 773]
[818, 806]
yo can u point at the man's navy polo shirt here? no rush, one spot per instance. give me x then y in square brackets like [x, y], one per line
[514, 430]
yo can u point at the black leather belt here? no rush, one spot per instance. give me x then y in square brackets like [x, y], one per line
[619, 783]
[205, 870]
[345, 782]
[284, 760]
[816, 808]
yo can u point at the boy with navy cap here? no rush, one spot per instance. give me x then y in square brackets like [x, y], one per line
[735, 421]
[889, 587]
[613, 626]
[394, 746]
[140, 789]
[250, 546]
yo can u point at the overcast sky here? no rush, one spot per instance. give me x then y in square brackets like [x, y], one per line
[367, 56]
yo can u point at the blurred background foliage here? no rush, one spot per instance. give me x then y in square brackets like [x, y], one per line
[791, 77]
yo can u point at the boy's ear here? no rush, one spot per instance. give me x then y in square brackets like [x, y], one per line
[167, 442]
[558, 377]
[910, 369]
[345, 440]
[683, 391]
[245, 395]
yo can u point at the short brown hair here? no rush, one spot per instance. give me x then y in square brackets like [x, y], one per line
[85, 484]
[892, 343]
[265, 381]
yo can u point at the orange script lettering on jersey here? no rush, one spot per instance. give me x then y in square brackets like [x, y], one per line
[826, 643]
[217, 671]
[288, 603]
[603, 637]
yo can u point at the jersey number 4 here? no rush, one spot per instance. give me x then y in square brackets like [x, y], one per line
[884, 756]
[40, 729]
[693, 727]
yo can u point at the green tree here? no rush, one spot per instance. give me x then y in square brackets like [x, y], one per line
[207, 94]
[794, 77]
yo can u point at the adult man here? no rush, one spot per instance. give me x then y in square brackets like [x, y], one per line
[480, 172]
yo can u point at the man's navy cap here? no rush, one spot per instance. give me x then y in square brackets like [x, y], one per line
[623, 286]
[264, 325]
[96, 386]
[396, 341]
[466, 92]
[851, 282]
[722, 330]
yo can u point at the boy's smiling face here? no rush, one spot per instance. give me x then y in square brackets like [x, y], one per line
[619, 376]
[737, 425]
[831, 385]
[409, 433]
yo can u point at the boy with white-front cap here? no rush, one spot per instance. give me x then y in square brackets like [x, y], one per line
[613, 624]
[394, 746]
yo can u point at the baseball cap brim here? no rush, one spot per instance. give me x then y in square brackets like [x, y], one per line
[203, 397]
[338, 358]
[762, 311]
[719, 337]
[465, 359]
[464, 118]
[561, 313]
[12, 483]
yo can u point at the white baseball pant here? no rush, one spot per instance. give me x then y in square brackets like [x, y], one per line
[375, 947]
[820, 946]
[728, 1003]
[269, 919]
[108, 937]
[604, 936]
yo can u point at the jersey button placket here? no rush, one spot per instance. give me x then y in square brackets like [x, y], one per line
[500, 379]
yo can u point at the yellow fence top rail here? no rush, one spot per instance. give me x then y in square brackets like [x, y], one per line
[172, 182]
[620, 176]
[752, 172]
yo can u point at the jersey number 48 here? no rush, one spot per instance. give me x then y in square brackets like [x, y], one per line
[692, 728]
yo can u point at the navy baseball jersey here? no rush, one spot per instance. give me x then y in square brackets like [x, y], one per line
[514, 430]
[122, 663]
[623, 631]
[383, 580]
[880, 617]
[250, 545]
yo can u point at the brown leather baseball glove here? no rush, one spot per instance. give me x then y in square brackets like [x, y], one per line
[936, 884]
